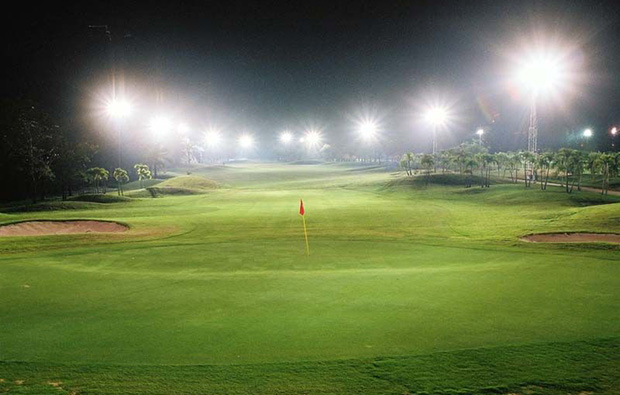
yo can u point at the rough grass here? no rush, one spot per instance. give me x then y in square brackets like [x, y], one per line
[406, 290]
[183, 185]
[100, 198]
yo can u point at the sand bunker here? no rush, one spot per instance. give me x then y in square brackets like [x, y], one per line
[38, 228]
[573, 238]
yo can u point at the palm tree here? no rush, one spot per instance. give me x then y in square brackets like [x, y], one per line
[143, 173]
[527, 159]
[544, 162]
[121, 177]
[427, 162]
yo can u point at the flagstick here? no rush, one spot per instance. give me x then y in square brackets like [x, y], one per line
[303, 217]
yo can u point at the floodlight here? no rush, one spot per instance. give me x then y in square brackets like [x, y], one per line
[587, 133]
[313, 138]
[614, 131]
[480, 132]
[213, 138]
[286, 137]
[118, 108]
[246, 141]
[542, 72]
[436, 115]
[368, 129]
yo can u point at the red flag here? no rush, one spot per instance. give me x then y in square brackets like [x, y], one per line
[301, 207]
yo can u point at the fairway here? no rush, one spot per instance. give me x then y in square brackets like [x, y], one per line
[403, 279]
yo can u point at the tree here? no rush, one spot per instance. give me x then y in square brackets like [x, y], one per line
[406, 163]
[29, 142]
[608, 164]
[544, 162]
[121, 177]
[143, 173]
[502, 159]
[469, 164]
[98, 177]
[527, 159]
[428, 162]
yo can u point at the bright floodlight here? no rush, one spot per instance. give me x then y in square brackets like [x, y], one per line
[614, 131]
[160, 126]
[118, 108]
[246, 141]
[480, 132]
[213, 138]
[436, 116]
[587, 133]
[286, 137]
[540, 73]
[313, 138]
[368, 129]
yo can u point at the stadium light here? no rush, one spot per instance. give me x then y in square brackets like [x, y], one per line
[436, 116]
[480, 132]
[614, 131]
[587, 133]
[368, 129]
[118, 108]
[246, 141]
[286, 137]
[313, 138]
[213, 139]
[541, 73]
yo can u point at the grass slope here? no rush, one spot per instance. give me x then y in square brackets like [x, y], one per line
[400, 278]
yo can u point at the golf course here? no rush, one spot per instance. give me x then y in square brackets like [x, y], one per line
[413, 285]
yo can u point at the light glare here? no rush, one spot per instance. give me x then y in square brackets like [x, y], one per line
[213, 139]
[286, 137]
[246, 141]
[118, 108]
[587, 133]
[436, 116]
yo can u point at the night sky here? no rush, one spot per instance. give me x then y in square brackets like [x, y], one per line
[265, 66]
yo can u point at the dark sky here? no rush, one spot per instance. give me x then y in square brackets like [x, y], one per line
[266, 65]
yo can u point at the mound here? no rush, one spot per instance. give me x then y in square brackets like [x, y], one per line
[38, 228]
[183, 185]
[307, 162]
[50, 206]
[573, 238]
[107, 198]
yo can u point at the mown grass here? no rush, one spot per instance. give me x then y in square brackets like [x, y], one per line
[212, 293]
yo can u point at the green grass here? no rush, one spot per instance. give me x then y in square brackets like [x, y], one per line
[409, 288]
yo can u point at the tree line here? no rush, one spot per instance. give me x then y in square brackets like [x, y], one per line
[566, 165]
[39, 158]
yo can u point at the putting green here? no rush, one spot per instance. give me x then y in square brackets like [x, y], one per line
[396, 269]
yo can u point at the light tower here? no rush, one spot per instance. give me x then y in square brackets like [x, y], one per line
[436, 116]
[540, 74]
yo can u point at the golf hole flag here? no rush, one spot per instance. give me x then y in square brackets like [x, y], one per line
[302, 212]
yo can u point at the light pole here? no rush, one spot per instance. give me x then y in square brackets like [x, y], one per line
[118, 110]
[539, 75]
[368, 131]
[480, 132]
[436, 116]
[587, 134]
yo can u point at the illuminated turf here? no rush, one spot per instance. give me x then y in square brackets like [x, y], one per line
[398, 272]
